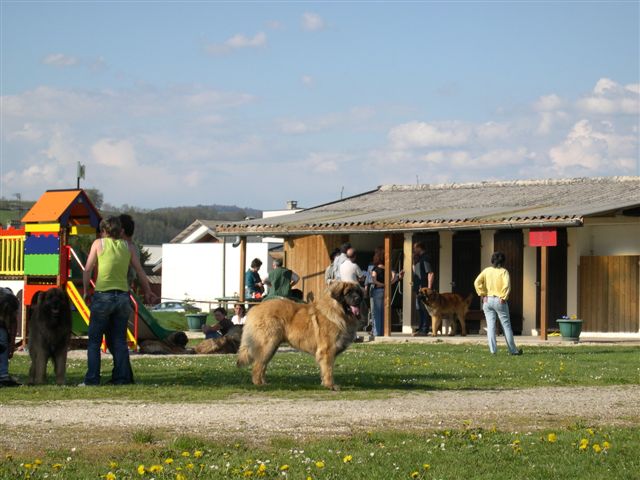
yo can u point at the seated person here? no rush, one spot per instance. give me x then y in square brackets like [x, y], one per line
[221, 327]
[240, 313]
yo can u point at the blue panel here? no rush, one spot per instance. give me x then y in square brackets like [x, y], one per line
[42, 244]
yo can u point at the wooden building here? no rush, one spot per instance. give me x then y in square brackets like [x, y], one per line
[592, 270]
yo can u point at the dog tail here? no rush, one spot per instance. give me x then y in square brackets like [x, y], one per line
[244, 356]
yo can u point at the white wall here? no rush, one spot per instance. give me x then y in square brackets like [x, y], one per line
[196, 270]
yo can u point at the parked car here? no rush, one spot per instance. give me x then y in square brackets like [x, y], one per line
[180, 307]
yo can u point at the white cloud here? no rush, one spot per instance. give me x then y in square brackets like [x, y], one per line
[548, 103]
[423, 134]
[237, 42]
[114, 153]
[611, 98]
[313, 22]
[60, 60]
[307, 80]
[594, 148]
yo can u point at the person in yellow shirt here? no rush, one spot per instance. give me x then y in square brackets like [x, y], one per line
[493, 286]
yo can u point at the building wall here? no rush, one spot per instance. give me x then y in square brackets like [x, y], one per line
[196, 270]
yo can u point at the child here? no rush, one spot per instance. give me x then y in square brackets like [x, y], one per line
[9, 307]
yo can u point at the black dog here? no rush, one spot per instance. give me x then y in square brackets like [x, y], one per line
[9, 306]
[49, 335]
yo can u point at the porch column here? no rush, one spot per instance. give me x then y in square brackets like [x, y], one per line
[243, 267]
[408, 305]
[387, 285]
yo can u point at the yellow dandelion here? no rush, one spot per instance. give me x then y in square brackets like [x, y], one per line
[426, 466]
[180, 476]
[347, 458]
[597, 448]
[56, 466]
[113, 464]
[141, 469]
[584, 443]
[262, 468]
[606, 445]
[248, 473]
[198, 453]
[284, 468]
[169, 461]
[591, 432]
[37, 461]
[320, 464]
[414, 475]
[189, 466]
[156, 468]
[185, 454]
[552, 438]
[473, 437]
[110, 476]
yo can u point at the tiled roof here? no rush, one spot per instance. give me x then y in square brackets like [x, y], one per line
[524, 203]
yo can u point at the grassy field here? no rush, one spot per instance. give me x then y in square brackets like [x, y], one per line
[569, 451]
[363, 371]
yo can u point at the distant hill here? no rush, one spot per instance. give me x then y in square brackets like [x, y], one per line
[153, 227]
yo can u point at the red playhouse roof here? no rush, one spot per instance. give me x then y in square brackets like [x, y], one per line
[67, 207]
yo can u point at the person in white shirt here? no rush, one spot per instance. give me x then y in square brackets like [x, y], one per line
[240, 314]
[349, 269]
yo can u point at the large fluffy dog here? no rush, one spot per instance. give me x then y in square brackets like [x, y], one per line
[49, 335]
[229, 343]
[324, 328]
[440, 305]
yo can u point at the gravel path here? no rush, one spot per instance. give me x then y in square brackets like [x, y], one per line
[257, 416]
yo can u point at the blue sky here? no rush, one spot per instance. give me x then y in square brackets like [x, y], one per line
[256, 103]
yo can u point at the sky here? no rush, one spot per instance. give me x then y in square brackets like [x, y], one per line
[257, 103]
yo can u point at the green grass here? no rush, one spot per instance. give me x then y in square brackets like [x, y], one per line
[466, 452]
[363, 371]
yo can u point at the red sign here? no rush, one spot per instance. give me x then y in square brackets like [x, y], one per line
[543, 237]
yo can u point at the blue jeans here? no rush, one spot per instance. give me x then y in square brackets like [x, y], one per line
[493, 308]
[109, 316]
[4, 353]
[377, 312]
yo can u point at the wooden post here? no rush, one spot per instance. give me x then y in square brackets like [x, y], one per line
[387, 285]
[243, 267]
[543, 292]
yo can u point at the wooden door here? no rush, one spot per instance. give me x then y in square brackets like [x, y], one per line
[556, 282]
[608, 296]
[510, 243]
[466, 264]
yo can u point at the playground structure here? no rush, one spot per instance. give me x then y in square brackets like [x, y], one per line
[39, 257]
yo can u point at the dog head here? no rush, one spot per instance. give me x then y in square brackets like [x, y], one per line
[9, 306]
[53, 304]
[427, 295]
[349, 295]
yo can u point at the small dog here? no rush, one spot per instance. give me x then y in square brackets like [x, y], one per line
[49, 335]
[440, 305]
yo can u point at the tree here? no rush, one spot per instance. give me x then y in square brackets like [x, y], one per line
[95, 196]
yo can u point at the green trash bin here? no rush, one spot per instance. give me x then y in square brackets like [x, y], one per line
[195, 321]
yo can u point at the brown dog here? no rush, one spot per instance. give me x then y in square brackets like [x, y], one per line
[324, 328]
[49, 335]
[440, 305]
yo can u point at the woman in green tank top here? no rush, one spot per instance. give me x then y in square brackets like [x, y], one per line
[110, 305]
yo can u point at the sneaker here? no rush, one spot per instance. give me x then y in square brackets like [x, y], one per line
[9, 382]
[518, 352]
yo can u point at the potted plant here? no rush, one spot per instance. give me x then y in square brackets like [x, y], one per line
[570, 328]
[195, 318]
